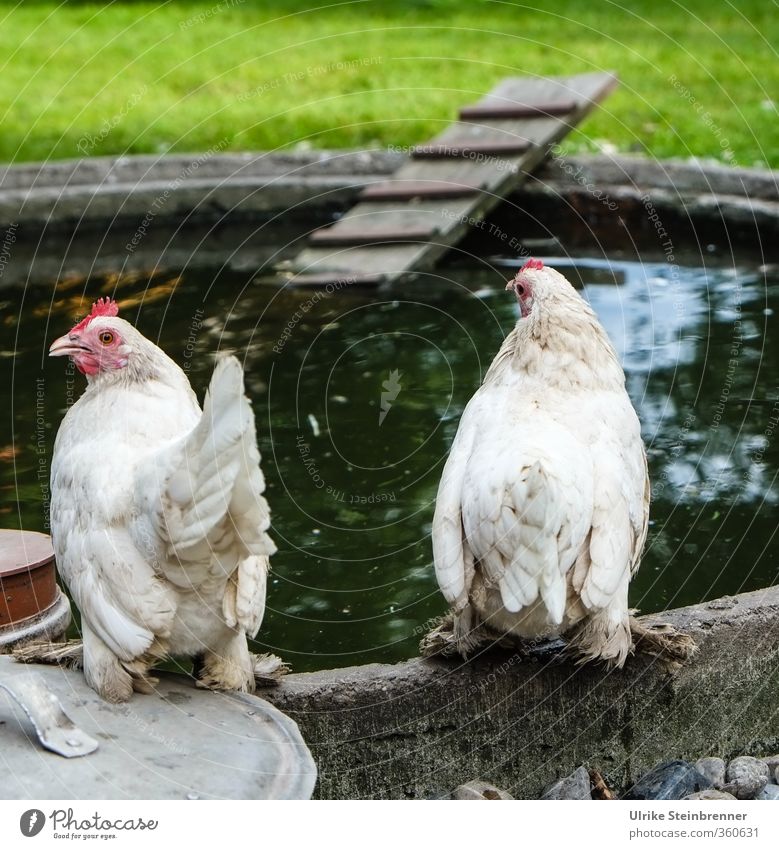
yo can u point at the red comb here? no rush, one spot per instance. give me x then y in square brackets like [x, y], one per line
[532, 265]
[102, 306]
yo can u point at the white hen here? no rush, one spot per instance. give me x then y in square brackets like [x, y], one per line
[157, 514]
[543, 506]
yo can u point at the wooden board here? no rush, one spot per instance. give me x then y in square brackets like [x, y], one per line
[493, 147]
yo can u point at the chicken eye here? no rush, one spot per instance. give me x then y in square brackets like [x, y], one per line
[521, 289]
[106, 337]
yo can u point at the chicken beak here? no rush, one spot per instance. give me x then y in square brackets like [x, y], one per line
[65, 346]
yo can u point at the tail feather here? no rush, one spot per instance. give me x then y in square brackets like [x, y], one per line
[535, 568]
[212, 513]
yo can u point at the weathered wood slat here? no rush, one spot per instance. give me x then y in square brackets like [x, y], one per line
[317, 281]
[412, 189]
[343, 236]
[467, 149]
[386, 261]
[496, 153]
[377, 216]
[507, 111]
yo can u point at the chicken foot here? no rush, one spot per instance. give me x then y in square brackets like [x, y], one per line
[662, 641]
[268, 668]
[455, 635]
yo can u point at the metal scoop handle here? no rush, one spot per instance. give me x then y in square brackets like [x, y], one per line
[55, 729]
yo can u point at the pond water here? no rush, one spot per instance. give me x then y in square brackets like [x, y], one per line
[357, 400]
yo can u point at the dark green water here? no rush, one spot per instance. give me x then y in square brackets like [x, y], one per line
[352, 491]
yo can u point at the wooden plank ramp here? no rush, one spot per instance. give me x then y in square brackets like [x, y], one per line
[403, 225]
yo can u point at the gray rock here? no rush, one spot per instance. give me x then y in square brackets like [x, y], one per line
[746, 777]
[772, 761]
[479, 790]
[713, 769]
[669, 780]
[712, 793]
[769, 793]
[573, 786]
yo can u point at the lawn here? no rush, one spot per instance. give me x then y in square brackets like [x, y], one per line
[698, 79]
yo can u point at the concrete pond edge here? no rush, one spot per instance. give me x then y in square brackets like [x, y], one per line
[68, 193]
[419, 729]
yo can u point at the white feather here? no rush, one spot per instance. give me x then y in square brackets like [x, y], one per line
[158, 518]
[546, 484]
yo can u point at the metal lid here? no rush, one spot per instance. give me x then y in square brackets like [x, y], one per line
[21, 551]
[180, 743]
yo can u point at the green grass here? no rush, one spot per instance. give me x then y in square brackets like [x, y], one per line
[101, 78]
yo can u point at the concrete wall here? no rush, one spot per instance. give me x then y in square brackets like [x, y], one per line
[88, 211]
[212, 185]
[420, 728]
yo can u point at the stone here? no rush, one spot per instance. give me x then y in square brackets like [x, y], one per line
[769, 793]
[713, 769]
[712, 793]
[746, 777]
[573, 786]
[669, 780]
[479, 790]
[772, 761]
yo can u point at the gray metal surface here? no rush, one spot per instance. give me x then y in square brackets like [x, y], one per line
[180, 743]
[55, 729]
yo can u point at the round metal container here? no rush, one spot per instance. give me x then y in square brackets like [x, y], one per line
[178, 743]
[31, 604]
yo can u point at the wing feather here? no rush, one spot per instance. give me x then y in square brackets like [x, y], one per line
[207, 493]
[453, 566]
[620, 515]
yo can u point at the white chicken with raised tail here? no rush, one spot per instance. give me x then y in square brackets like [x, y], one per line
[158, 519]
[543, 505]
